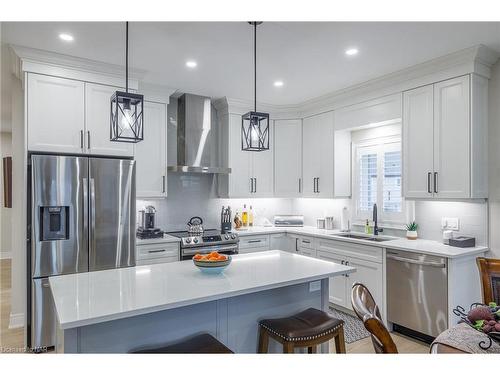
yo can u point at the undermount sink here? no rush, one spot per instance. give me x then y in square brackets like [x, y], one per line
[361, 237]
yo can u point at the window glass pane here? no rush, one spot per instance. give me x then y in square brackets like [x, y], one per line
[368, 181]
[392, 181]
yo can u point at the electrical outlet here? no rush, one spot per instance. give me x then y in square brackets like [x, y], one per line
[450, 223]
[314, 286]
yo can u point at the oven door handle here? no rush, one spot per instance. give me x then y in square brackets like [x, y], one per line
[195, 250]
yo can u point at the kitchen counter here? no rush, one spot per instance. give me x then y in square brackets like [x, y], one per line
[99, 312]
[419, 246]
[165, 239]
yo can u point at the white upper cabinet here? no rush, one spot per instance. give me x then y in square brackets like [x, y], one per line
[251, 171]
[317, 156]
[151, 153]
[97, 122]
[441, 158]
[55, 114]
[288, 158]
[418, 134]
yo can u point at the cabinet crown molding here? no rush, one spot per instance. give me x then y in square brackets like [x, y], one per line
[33, 60]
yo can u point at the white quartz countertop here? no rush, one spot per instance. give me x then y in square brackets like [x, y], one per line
[421, 246]
[165, 239]
[94, 297]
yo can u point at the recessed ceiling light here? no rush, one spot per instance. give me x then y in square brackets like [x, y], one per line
[191, 64]
[351, 51]
[66, 37]
[278, 83]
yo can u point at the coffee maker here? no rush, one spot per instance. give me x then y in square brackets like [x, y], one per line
[147, 227]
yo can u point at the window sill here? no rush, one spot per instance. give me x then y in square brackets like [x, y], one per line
[382, 225]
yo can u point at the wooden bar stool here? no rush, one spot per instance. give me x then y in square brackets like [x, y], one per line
[200, 344]
[308, 328]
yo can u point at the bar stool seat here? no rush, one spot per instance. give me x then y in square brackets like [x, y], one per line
[308, 328]
[200, 344]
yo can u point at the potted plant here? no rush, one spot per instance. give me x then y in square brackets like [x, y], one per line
[411, 231]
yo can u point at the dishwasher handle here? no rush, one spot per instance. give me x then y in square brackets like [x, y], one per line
[418, 262]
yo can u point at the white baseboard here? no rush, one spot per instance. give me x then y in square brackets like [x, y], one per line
[5, 254]
[16, 321]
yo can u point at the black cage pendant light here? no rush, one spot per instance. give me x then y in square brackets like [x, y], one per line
[255, 125]
[127, 116]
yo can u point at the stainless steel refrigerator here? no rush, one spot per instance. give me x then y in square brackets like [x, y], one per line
[82, 219]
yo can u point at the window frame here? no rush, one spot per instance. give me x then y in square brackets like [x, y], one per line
[380, 146]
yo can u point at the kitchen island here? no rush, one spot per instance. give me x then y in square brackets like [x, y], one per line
[119, 310]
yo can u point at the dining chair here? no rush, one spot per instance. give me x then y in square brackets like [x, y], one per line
[489, 270]
[367, 310]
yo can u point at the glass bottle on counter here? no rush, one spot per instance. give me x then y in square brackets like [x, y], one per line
[244, 216]
[250, 217]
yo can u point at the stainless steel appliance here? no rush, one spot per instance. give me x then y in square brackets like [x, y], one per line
[288, 221]
[82, 219]
[417, 293]
[209, 240]
[198, 140]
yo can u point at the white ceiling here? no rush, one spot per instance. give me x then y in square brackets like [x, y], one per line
[308, 57]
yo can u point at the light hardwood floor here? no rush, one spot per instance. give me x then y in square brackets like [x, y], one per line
[13, 338]
[10, 339]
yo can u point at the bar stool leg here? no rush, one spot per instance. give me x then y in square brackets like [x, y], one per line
[263, 341]
[288, 347]
[312, 349]
[340, 341]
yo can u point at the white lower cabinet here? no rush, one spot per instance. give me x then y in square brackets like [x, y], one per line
[303, 245]
[157, 253]
[368, 261]
[280, 241]
[253, 244]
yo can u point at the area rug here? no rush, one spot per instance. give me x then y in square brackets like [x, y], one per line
[353, 327]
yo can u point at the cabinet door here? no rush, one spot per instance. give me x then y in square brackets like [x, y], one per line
[283, 242]
[418, 134]
[288, 158]
[97, 122]
[310, 156]
[55, 114]
[337, 284]
[262, 169]
[451, 177]
[239, 161]
[368, 274]
[318, 156]
[151, 153]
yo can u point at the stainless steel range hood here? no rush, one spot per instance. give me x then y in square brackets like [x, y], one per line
[197, 137]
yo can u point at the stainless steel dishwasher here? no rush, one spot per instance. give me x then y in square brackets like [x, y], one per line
[417, 293]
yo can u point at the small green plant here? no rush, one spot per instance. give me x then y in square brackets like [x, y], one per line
[412, 227]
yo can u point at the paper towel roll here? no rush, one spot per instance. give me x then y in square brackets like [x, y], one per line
[344, 220]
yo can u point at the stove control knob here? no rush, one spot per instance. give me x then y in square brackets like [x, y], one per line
[188, 240]
[233, 236]
[195, 240]
[226, 237]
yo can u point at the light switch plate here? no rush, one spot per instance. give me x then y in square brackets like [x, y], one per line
[450, 223]
[314, 286]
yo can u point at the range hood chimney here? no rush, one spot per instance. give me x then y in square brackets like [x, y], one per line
[197, 137]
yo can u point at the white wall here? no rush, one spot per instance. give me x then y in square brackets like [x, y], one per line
[5, 213]
[494, 160]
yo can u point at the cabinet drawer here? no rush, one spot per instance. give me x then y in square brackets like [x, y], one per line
[303, 242]
[254, 242]
[154, 251]
[348, 249]
[307, 252]
[145, 262]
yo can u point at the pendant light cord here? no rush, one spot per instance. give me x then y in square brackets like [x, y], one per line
[255, 66]
[126, 56]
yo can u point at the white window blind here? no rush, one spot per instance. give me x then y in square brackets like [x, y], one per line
[368, 180]
[392, 201]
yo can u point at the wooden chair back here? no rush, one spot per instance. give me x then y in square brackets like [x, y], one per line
[367, 310]
[489, 270]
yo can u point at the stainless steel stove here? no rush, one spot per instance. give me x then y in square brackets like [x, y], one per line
[209, 240]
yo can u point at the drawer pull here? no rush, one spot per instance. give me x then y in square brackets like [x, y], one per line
[306, 241]
[156, 251]
[254, 241]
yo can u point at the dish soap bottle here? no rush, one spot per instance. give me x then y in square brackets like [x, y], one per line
[367, 227]
[244, 216]
[250, 217]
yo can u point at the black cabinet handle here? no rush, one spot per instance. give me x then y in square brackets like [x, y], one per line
[88, 139]
[299, 185]
[163, 183]
[254, 241]
[435, 182]
[81, 138]
[429, 183]
[317, 184]
[255, 185]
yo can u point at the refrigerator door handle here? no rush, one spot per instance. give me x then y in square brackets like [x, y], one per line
[85, 198]
[92, 218]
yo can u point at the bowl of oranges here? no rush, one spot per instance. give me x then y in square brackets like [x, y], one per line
[213, 262]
